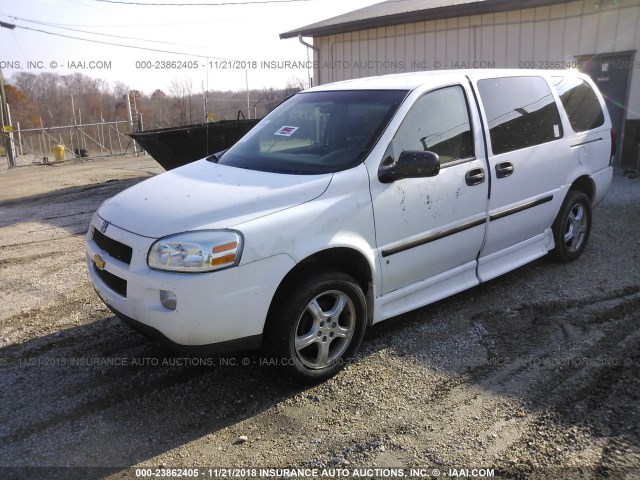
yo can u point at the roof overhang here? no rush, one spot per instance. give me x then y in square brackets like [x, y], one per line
[366, 18]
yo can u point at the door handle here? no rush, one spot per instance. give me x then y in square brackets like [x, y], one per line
[474, 177]
[504, 169]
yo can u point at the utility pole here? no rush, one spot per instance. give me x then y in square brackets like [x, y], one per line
[6, 124]
[246, 76]
[131, 96]
[204, 100]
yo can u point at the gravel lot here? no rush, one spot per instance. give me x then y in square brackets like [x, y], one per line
[535, 374]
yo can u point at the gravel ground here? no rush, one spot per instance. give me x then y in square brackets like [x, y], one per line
[535, 374]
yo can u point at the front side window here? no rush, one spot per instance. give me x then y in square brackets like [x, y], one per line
[521, 112]
[437, 122]
[317, 132]
[580, 102]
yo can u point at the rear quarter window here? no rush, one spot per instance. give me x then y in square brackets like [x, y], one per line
[580, 102]
[521, 112]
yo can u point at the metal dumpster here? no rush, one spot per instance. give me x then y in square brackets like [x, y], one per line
[176, 146]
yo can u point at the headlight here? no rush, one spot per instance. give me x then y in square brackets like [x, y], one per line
[202, 251]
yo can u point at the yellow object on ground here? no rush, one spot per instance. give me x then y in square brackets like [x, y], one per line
[58, 153]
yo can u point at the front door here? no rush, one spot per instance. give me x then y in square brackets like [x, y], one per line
[430, 226]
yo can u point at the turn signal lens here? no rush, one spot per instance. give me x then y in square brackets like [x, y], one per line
[226, 260]
[225, 247]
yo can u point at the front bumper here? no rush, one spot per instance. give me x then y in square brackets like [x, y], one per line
[246, 343]
[212, 308]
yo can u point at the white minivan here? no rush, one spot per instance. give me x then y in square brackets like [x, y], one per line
[352, 203]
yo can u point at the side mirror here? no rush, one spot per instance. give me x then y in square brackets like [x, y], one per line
[411, 164]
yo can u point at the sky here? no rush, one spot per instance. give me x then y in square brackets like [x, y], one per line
[224, 47]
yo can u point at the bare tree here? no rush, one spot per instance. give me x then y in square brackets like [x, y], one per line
[24, 110]
[181, 89]
[45, 99]
[120, 89]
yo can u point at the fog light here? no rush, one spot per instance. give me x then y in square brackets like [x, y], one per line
[168, 299]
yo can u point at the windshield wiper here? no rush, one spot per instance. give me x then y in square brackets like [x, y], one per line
[215, 157]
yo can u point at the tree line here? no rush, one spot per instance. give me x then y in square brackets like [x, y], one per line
[48, 99]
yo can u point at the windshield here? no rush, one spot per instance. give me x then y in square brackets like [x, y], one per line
[316, 132]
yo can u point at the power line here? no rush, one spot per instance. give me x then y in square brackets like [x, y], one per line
[92, 7]
[220, 4]
[13, 33]
[120, 44]
[138, 25]
[103, 34]
[56, 24]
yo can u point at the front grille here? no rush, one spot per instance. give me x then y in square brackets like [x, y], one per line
[116, 284]
[117, 250]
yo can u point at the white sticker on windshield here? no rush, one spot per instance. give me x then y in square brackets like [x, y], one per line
[286, 131]
[556, 131]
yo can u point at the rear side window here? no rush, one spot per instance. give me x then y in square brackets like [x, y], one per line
[580, 102]
[521, 112]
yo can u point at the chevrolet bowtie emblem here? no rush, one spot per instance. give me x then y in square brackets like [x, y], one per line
[97, 259]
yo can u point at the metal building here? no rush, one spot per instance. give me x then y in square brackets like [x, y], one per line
[599, 37]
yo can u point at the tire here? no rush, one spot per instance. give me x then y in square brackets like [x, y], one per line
[572, 227]
[316, 326]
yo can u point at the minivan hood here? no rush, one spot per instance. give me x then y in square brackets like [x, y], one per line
[207, 195]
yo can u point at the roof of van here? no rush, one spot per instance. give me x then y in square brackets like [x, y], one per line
[412, 80]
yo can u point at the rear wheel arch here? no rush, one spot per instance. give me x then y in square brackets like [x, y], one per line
[572, 227]
[585, 185]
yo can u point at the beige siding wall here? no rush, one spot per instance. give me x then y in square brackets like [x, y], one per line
[521, 38]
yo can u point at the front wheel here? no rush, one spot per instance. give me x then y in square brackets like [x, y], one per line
[317, 326]
[572, 227]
